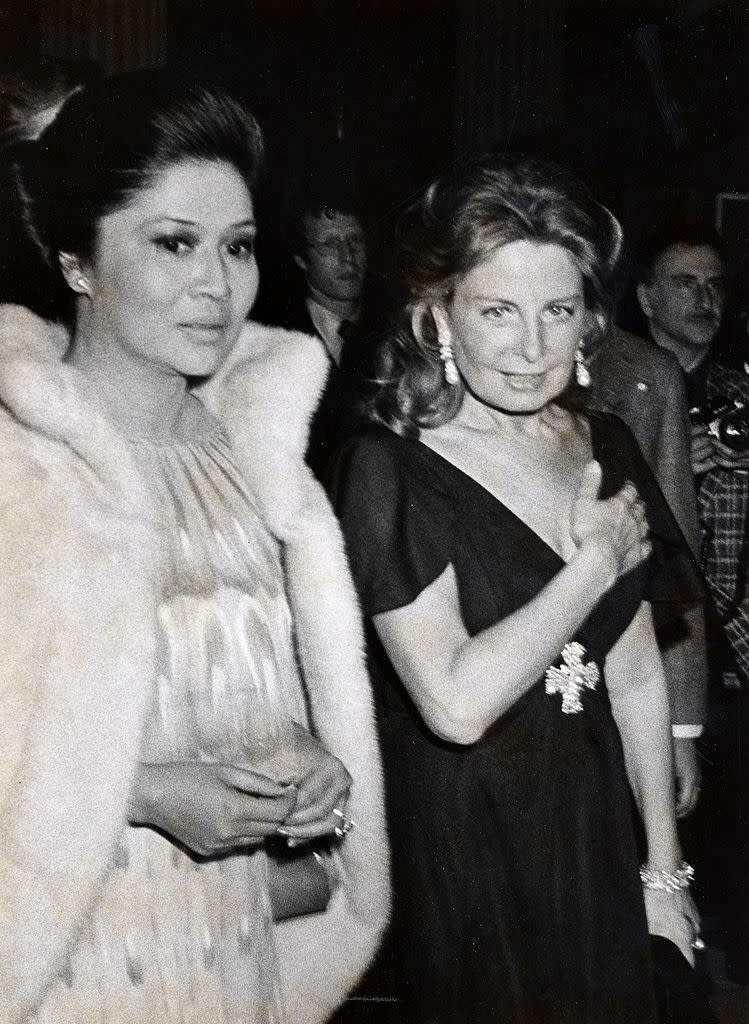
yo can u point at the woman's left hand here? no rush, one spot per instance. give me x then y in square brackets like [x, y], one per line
[674, 916]
[323, 789]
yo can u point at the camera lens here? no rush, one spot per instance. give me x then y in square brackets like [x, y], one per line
[733, 430]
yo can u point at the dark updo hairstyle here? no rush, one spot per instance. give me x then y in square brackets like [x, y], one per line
[113, 139]
[458, 223]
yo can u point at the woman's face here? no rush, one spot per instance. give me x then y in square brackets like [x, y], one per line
[515, 321]
[174, 275]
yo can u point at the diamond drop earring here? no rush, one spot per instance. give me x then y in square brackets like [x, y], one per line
[447, 355]
[582, 373]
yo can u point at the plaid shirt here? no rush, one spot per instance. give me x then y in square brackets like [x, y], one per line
[723, 498]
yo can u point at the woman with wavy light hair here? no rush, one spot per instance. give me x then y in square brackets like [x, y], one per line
[506, 541]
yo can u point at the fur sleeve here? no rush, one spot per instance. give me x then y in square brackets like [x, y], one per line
[329, 634]
[76, 617]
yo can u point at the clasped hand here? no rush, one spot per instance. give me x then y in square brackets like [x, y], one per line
[619, 524]
[213, 808]
[708, 453]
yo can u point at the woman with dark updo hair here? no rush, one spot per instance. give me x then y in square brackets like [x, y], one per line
[182, 691]
[506, 542]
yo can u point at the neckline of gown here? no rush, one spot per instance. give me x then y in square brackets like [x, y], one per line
[594, 422]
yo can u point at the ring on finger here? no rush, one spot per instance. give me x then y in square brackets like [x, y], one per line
[345, 823]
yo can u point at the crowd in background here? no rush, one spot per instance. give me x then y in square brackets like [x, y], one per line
[391, 401]
[681, 384]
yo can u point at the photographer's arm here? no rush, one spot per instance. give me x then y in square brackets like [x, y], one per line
[729, 459]
[702, 450]
[735, 622]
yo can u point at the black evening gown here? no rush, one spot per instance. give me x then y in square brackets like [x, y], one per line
[515, 869]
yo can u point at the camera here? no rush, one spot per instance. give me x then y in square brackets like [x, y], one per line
[725, 419]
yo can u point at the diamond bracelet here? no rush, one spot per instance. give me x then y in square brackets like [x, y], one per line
[667, 881]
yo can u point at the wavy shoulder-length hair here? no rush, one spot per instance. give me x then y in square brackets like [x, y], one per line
[459, 222]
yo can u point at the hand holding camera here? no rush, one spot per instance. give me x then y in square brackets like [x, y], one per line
[720, 436]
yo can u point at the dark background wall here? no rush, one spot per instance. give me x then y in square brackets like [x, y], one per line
[415, 84]
[647, 98]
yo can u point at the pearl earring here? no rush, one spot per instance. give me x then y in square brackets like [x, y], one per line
[447, 355]
[582, 373]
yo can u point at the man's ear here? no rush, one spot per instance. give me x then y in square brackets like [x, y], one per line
[73, 272]
[643, 297]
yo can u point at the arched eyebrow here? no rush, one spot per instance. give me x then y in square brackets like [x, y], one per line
[246, 223]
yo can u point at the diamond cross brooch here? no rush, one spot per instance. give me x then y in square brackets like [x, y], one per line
[571, 678]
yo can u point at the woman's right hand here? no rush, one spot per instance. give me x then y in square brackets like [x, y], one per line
[618, 525]
[209, 808]
[674, 916]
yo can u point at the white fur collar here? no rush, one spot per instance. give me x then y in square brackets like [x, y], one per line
[264, 396]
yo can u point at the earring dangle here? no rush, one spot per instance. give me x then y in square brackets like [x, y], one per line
[448, 357]
[582, 373]
[448, 364]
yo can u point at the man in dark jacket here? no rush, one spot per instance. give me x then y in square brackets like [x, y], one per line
[330, 248]
[682, 294]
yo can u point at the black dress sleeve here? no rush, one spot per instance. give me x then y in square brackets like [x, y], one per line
[396, 526]
[673, 577]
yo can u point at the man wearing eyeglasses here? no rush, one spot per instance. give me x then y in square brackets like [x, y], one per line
[327, 243]
[682, 294]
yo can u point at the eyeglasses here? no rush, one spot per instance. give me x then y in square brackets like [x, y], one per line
[354, 244]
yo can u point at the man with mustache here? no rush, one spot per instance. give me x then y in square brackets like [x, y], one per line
[682, 294]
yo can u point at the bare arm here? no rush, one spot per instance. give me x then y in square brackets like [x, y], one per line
[639, 702]
[462, 684]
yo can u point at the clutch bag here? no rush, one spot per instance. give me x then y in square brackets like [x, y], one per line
[680, 992]
[298, 882]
